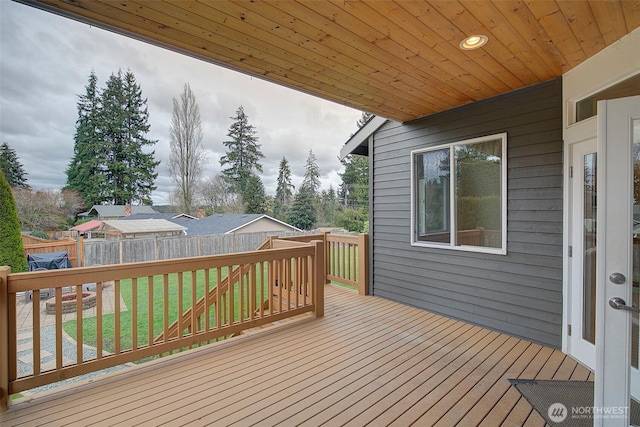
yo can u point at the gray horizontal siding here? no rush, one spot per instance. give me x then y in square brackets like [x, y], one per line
[519, 293]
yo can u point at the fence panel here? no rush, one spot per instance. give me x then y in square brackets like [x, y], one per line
[39, 246]
[101, 253]
[105, 252]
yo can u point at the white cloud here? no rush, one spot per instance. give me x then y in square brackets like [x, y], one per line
[46, 61]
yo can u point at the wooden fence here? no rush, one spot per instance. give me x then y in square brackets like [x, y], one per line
[252, 289]
[34, 245]
[104, 252]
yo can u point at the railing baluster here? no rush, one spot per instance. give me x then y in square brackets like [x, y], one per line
[79, 337]
[207, 306]
[242, 279]
[117, 316]
[134, 313]
[218, 312]
[59, 354]
[280, 284]
[260, 298]
[180, 309]
[165, 293]
[194, 320]
[231, 299]
[289, 280]
[150, 310]
[297, 280]
[35, 336]
[99, 310]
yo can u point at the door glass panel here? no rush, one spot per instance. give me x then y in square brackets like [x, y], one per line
[589, 247]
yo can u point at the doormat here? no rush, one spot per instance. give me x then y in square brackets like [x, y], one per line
[569, 403]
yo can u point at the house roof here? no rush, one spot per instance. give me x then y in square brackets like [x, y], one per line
[224, 223]
[112, 211]
[397, 59]
[143, 225]
[89, 225]
[359, 142]
[169, 216]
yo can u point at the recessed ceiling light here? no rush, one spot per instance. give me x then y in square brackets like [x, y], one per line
[473, 42]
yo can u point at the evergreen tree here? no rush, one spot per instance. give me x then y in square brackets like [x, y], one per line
[130, 172]
[303, 212]
[12, 168]
[11, 249]
[187, 153]
[284, 190]
[85, 173]
[243, 153]
[109, 164]
[311, 174]
[255, 198]
[329, 207]
[364, 118]
[354, 188]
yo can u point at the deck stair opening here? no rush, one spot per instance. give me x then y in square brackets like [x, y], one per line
[288, 289]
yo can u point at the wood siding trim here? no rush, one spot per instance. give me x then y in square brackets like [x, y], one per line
[519, 293]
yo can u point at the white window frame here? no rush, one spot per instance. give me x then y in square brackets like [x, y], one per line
[453, 197]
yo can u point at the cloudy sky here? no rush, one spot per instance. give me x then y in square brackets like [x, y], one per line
[45, 61]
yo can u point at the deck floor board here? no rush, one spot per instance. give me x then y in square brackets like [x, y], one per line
[367, 361]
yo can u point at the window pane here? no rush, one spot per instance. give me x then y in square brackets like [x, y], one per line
[433, 201]
[478, 194]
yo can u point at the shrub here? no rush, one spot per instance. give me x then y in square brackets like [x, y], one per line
[11, 249]
[352, 219]
[39, 234]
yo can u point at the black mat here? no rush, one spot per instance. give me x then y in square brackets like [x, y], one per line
[566, 403]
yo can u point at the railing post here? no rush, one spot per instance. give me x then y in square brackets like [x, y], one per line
[363, 264]
[320, 277]
[4, 338]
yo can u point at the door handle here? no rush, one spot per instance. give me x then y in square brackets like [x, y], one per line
[619, 304]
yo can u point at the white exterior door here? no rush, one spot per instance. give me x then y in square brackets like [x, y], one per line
[618, 276]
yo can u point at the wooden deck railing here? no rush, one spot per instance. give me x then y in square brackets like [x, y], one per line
[346, 258]
[252, 289]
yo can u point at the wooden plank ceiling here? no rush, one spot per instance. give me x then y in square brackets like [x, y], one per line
[397, 59]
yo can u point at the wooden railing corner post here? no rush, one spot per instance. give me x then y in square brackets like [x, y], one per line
[4, 338]
[320, 276]
[363, 264]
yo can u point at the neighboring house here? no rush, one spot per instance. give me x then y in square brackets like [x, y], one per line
[115, 211]
[141, 228]
[85, 229]
[502, 185]
[169, 216]
[221, 223]
[235, 224]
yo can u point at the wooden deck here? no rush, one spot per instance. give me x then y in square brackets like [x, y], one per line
[368, 361]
